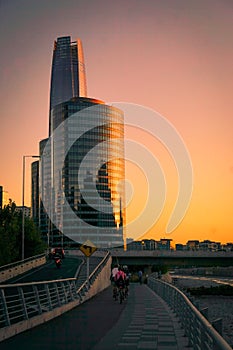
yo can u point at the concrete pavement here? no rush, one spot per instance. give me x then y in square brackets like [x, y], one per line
[146, 323]
[143, 322]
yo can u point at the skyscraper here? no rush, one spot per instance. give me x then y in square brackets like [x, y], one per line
[35, 191]
[87, 173]
[68, 76]
[1, 197]
[82, 162]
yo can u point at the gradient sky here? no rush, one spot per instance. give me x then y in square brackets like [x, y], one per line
[174, 56]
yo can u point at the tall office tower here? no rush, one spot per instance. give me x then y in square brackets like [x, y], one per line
[87, 173]
[68, 77]
[35, 191]
[1, 197]
[82, 169]
[45, 224]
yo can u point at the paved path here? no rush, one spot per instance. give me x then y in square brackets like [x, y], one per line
[142, 322]
[48, 271]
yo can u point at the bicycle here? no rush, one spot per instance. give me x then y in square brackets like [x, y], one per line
[126, 291]
[121, 291]
[115, 293]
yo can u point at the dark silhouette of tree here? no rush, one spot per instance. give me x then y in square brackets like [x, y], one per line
[11, 235]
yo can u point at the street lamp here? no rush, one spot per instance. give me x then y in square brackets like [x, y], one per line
[23, 187]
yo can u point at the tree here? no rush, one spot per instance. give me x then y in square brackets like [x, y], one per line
[11, 235]
[9, 228]
[33, 244]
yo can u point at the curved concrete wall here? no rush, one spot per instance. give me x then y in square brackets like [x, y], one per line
[22, 267]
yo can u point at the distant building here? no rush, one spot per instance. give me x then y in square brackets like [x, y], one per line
[180, 246]
[129, 240]
[193, 245]
[228, 247]
[149, 244]
[1, 197]
[164, 244]
[135, 245]
[45, 224]
[4, 197]
[27, 210]
[209, 246]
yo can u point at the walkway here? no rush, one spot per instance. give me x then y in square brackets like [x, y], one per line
[142, 322]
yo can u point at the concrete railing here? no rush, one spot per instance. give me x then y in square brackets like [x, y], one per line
[120, 252]
[11, 270]
[201, 334]
[25, 305]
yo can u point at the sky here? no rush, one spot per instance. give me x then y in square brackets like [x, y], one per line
[172, 56]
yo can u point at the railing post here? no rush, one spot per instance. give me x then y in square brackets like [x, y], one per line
[64, 292]
[57, 293]
[48, 297]
[73, 286]
[196, 304]
[4, 306]
[36, 293]
[217, 324]
[23, 303]
[205, 312]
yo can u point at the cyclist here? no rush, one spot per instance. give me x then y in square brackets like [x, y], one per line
[127, 279]
[120, 279]
[113, 274]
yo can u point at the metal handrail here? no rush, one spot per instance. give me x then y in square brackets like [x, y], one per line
[22, 301]
[200, 332]
[12, 285]
[106, 257]
[85, 284]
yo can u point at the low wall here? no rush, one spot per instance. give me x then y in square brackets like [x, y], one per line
[16, 269]
[101, 283]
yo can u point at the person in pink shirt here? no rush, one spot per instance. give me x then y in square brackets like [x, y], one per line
[120, 277]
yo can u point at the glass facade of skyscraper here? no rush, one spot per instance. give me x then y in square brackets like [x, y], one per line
[68, 77]
[87, 177]
[35, 192]
[82, 169]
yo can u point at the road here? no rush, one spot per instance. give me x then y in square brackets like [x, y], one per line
[49, 271]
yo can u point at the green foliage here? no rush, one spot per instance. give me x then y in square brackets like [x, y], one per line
[33, 243]
[11, 236]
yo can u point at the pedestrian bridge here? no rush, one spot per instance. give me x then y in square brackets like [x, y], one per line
[155, 316]
[172, 258]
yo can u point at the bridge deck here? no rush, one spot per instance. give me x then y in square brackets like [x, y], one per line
[142, 322]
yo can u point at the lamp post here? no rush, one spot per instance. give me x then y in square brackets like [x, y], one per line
[23, 188]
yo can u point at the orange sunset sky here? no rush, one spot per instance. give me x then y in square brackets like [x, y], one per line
[172, 56]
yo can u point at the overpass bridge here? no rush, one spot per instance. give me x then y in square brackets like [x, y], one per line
[172, 258]
[156, 316]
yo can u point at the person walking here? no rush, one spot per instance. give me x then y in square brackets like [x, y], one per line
[140, 276]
